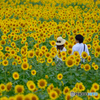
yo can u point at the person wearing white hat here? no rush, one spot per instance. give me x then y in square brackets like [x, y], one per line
[60, 46]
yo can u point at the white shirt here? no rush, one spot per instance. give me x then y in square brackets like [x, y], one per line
[80, 48]
[64, 49]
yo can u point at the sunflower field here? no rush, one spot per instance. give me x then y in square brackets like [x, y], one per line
[28, 33]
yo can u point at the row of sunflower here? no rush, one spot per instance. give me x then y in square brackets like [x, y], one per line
[53, 92]
[28, 33]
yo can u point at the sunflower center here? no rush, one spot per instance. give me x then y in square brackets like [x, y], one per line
[19, 98]
[68, 97]
[53, 95]
[2, 87]
[31, 54]
[70, 62]
[19, 90]
[80, 87]
[8, 87]
[95, 87]
[15, 75]
[25, 66]
[66, 90]
[86, 67]
[42, 83]
[31, 86]
[33, 98]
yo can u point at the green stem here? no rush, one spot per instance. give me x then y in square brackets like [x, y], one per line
[23, 76]
[5, 74]
[97, 74]
[70, 75]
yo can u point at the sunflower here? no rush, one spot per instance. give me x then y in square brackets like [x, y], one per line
[48, 90]
[31, 86]
[2, 87]
[75, 89]
[14, 63]
[72, 57]
[8, 86]
[30, 54]
[49, 60]
[93, 64]
[1, 48]
[77, 60]
[4, 98]
[64, 36]
[82, 66]
[64, 58]
[77, 85]
[11, 98]
[59, 76]
[25, 60]
[92, 90]
[43, 47]
[96, 54]
[7, 55]
[69, 62]
[0, 93]
[81, 87]
[53, 43]
[69, 51]
[46, 76]
[76, 53]
[95, 86]
[97, 97]
[19, 89]
[84, 55]
[2, 42]
[33, 96]
[53, 49]
[53, 63]
[40, 54]
[7, 48]
[19, 97]
[47, 54]
[67, 97]
[12, 52]
[95, 67]
[15, 75]
[33, 72]
[66, 90]
[5, 62]
[53, 95]
[19, 62]
[25, 66]
[41, 60]
[87, 67]
[13, 44]
[89, 58]
[70, 46]
[42, 83]
[53, 54]
[63, 53]
[58, 91]
[27, 97]
[29, 82]
[89, 46]
[97, 49]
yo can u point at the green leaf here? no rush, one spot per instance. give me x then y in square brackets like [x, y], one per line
[24, 80]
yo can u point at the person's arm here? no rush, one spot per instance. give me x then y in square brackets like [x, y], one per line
[87, 51]
[64, 49]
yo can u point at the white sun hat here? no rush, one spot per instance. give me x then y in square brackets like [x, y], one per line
[60, 41]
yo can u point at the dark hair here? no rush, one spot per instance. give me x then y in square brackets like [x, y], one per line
[60, 47]
[79, 38]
